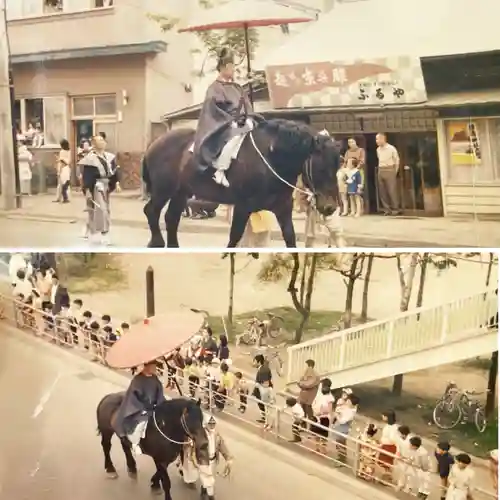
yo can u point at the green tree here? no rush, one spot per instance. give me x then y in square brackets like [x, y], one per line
[214, 40]
[366, 287]
[281, 266]
[301, 272]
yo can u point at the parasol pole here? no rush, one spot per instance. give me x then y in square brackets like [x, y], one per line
[249, 63]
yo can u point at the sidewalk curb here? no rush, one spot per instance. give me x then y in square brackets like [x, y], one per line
[277, 450]
[356, 240]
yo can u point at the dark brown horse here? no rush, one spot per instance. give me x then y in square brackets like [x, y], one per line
[262, 177]
[172, 424]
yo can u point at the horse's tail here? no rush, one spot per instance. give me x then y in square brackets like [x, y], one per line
[145, 175]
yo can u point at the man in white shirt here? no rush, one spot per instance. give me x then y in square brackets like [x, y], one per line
[387, 176]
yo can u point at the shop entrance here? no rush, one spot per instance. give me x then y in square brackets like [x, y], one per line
[420, 185]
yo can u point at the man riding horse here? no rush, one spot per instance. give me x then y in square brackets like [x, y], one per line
[143, 395]
[223, 121]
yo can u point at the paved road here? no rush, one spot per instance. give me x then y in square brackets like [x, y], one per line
[29, 234]
[52, 396]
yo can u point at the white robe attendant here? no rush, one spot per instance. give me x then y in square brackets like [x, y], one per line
[460, 483]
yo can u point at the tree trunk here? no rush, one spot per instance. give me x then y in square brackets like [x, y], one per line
[493, 371]
[421, 282]
[492, 385]
[230, 307]
[306, 306]
[352, 277]
[406, 289]
[366, 286]
[490, 269]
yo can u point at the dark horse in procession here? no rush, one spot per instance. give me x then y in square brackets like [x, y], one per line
[262, 176]
[171, 425]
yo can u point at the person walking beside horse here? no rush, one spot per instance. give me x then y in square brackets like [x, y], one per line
[99, 179]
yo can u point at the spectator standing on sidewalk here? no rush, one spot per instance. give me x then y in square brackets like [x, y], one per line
[344, 417]
[263, 386]
[387, 175]
[461, 479]
[444, 461]
[403, 467]
[388, 443]
[420, 461]
[308, 385]
[63, 172]
[25, 164]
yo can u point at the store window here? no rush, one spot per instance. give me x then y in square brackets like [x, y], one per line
[473, 150]
[91, 106]
[41, 121]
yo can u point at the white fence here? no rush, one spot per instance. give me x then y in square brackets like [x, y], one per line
[403, 334]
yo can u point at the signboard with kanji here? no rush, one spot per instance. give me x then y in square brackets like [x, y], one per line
[383, 81]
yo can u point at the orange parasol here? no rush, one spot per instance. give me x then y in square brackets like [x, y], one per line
[154, 338]
[245, 14]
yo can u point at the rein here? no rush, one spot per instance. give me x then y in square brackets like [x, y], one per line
[308, 193]
[184, 426]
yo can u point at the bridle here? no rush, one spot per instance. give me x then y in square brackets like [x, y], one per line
[184, 426]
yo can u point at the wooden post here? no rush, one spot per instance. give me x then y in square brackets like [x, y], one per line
[150, 292]
[7, 150]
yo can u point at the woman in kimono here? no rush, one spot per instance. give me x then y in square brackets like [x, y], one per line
[99, 179]
[222, 118]
[460, 479]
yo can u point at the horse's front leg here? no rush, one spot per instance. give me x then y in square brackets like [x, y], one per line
[238, 225]
[106, 448]
[156, 480]
[131, 463]
[165, 481]
[285, 221]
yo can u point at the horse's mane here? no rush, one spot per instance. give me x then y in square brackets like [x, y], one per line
[178, 405]
[289, 136]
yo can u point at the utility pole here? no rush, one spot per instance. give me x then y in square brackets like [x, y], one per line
[9, 167]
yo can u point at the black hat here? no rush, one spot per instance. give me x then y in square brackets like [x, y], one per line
[225, 56]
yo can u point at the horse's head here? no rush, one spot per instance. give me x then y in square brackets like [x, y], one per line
[192, 421]
[320, 173]
[295, 148]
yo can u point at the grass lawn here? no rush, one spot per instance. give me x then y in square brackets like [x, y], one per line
[87, 273]
[320, 322]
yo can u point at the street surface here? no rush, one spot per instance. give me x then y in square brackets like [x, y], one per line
[49, 449]
[366, 231]
[64, 234]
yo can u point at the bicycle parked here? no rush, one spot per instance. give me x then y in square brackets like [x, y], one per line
[457, 406]
[257, 330]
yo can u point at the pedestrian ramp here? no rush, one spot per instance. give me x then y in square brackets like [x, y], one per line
[423, 338]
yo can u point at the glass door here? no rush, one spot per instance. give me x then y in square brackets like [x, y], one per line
[420, 178]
